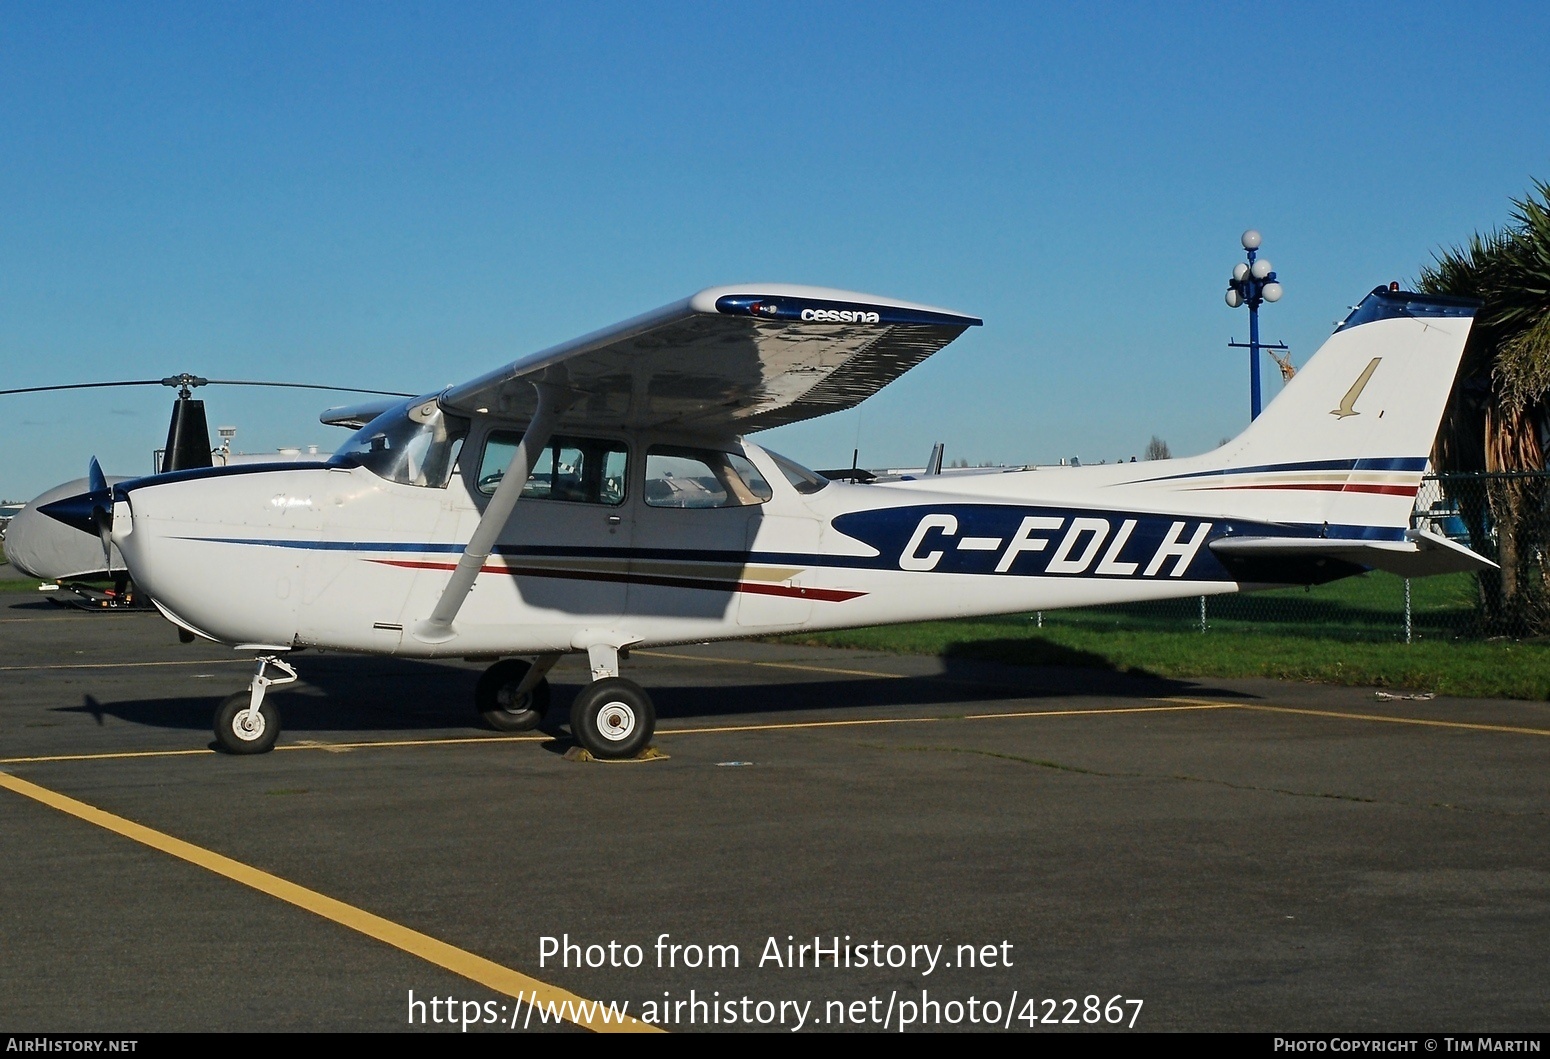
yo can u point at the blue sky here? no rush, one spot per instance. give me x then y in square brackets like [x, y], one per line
[405, 196]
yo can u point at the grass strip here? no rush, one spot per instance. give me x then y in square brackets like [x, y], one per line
[1350, 632]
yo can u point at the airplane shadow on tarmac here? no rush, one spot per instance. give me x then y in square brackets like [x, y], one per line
[350, 694]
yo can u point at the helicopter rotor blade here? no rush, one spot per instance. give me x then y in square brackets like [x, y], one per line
[310, 386]
[83, 386]
[191, 381]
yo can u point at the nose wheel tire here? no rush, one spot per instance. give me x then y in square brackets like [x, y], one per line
[239, 729]
[613, 718]
[499, 704]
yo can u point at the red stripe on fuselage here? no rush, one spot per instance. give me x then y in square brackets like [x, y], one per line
[1333, 487]
[826, 595]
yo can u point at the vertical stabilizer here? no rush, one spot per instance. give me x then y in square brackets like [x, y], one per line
[1347, 441]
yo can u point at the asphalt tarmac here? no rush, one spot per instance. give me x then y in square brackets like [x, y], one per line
[971, 846]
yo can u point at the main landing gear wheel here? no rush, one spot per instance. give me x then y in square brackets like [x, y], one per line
[613, 718]
[239, 729]
[502, 702]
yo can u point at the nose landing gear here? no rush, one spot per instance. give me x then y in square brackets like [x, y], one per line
[244, 722]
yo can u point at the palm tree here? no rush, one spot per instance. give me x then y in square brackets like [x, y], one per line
[1498, 418]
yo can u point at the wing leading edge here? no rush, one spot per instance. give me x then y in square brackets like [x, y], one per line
[728, 359]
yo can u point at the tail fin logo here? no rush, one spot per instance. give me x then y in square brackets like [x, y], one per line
[1348, 402]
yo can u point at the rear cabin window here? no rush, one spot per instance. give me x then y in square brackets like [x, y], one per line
[702, 478]
[579, 470]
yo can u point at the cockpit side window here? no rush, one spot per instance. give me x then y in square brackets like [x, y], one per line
[411, 444]
[578, 470]
[802, 480]
[702, 478]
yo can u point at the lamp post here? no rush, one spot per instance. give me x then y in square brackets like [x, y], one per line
[1253, 281]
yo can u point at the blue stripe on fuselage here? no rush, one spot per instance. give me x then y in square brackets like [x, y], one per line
[193, 474]
[971, 539]
[1400, 463]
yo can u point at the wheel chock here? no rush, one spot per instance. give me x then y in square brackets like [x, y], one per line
[581, 753]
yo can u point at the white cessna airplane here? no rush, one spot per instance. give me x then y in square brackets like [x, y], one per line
[599, 496]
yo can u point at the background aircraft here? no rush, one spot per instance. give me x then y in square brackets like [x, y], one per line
[51, 550]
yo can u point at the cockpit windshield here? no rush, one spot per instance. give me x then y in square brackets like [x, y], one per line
[414, 443]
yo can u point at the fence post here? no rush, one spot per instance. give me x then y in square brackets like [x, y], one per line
[1202, 613]
[1408, 625]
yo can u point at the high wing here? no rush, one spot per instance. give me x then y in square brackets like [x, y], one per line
[726, 360]
[356, 416]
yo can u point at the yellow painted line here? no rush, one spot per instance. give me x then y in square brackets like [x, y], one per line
[307, 745]
[127, 665]
[1421, 721]
[776, 665]
[1175, 705]
[1102, 712]
[459, 961]
[775, 727]
[480, 739]
[1198, 702]
[102, 757]
[796, 725]
[451, 741]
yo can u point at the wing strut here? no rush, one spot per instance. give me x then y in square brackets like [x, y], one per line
[552, 400]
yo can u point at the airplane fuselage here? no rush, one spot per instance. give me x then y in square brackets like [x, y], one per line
[340, 557]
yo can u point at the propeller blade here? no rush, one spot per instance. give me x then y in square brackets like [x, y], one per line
[102, 509]
[102, 517]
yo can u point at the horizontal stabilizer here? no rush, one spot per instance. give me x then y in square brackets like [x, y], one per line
[1421, 554]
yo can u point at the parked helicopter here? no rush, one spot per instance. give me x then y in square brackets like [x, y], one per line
[600, 496]
[54, 551]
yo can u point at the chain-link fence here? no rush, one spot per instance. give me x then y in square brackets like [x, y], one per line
[1502, 516]
[1506, 518]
